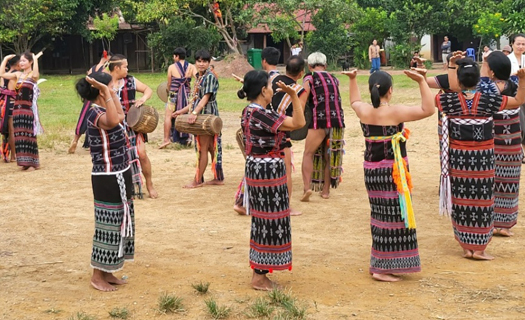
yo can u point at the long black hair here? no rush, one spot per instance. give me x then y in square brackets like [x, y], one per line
[379, 84]
[86, 91]
[468, 72]
[500, 64]
[254, 81]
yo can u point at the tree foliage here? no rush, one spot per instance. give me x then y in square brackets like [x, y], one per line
[23, 23]
[332, 36]
[234, 15]
[490, 26]
[287, 18]
[514, 14]
[181, 32]
[105, 29]
[370, 25]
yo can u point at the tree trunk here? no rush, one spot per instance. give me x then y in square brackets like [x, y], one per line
[230, 41]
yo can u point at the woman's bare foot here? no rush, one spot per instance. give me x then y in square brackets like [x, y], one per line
[306, 195]
[504, 232]
[239, 209]
[481, 255]
[295, 212]
[99, 282]
[111, 279]
[72, 147]
[325, 195]
[385, 277]
[467, 253]
[214, 182]
[28, 169]
[164, 144]
[193, 184]
[261, 282]
[152, 192]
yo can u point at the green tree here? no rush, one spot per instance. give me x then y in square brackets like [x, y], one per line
[514, 13]
[370, 25]
[287, 18]
[332, 36]
[23, 23]
[181, 32]
[105, 29]
[234, 15]
[490, 27]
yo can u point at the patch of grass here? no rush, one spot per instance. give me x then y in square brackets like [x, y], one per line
[278, 297]
[216, 311]
[119, 313]
[260, 308]
[169, 303]
[81, 316]
[289, 305]
[294, 311]
[201, 287]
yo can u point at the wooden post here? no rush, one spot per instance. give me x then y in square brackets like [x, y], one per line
[90, 54]
[152, 61]
[264, 40]
[137, 49]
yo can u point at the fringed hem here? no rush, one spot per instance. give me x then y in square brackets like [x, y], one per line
[333, 145]
[271, 269]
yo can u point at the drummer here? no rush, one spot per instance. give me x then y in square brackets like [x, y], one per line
[126, 87]
[205, 102]
[179, 80]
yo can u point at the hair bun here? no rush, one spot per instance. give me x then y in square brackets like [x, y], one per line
[241, 94]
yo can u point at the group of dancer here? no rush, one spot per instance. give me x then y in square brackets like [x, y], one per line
[480, 155]
[480, 139]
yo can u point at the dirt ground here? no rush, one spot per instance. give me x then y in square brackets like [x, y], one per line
[188, 236]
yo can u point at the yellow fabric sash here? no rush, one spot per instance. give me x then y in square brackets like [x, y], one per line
[401, 177]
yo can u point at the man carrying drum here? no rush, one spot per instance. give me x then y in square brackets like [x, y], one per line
[179, 81]
[204, 102]
[126, 87]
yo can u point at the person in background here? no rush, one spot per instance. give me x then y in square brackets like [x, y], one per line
[506, 50]
[446, 48]
[486, 52]
[374, 57]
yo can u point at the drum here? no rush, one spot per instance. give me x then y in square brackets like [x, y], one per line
[239, 136]
[143, 119]
[162, 91]
[300, 134]
[206, 124]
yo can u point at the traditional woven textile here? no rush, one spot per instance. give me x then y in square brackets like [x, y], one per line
[394, 245]
[468, 125]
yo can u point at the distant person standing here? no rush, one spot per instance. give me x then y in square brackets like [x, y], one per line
[445, 50]
[506, 50]
[486, 52]
[373, 56]
[297, 49]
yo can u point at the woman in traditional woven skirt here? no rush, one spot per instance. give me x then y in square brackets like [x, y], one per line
[495, 73]
[467, 172]
[266, 193]
[113, 241]
[7, 95]
[26, 122]
[387, 179]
